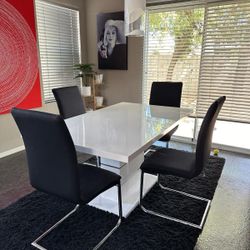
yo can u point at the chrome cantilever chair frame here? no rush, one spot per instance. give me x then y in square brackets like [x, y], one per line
[149, 150]
[35, 242]
[199, 226]
[98, 162]
[160, 162]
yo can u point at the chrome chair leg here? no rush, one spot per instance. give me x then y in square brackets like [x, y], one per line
[153, 150]
[149, 150]
[87, 163]
[35, 244]
[98, 162]
[199, 226]
[118, 222]
[141, 190]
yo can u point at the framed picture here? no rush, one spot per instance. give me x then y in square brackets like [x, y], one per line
[111, 41]
[19, 75]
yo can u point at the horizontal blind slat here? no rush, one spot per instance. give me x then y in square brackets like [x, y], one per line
[59, 46]
[225, 66]
[168, 57]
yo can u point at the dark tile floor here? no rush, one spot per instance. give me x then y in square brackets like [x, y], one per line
[13, 178]
[228, 223]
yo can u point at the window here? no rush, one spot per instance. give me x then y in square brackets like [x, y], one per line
[207, 47]
[59, 46]
[173, 50]
[225, 67]
[172, 53]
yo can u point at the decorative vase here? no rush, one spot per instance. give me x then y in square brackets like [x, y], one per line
[98, 78]
[99, 101]
[86, 90]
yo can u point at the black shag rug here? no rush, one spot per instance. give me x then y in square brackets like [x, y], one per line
[25, 220]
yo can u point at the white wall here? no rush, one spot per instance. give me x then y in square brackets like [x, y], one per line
[120, 85]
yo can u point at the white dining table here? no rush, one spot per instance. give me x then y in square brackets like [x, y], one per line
[119, 135]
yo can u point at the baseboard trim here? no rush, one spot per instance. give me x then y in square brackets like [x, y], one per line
[12, 151]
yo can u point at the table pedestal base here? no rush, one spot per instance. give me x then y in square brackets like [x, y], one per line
[130, 187]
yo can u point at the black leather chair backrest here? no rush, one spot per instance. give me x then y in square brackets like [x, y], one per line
[51, 154]
[166, 94]
[69, 101]
[204, 141]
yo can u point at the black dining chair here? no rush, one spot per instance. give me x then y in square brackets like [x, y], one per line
[183, 164]
[166, 94]
[53, 167]
[69, 101]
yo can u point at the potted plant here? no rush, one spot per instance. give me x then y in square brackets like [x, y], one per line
[86, 72]
[99, 101]
[98, 78]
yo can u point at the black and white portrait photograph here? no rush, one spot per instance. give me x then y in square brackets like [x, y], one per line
[111, 41]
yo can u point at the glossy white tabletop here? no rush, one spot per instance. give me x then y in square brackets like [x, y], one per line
[122, 131]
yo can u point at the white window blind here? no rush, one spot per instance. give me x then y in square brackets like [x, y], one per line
[59, 46]
[173, 50]
[225, 67]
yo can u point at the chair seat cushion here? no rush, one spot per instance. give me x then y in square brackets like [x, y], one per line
[94, 180]
[170, 162]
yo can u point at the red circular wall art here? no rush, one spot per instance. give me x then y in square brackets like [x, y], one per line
[18, 57]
